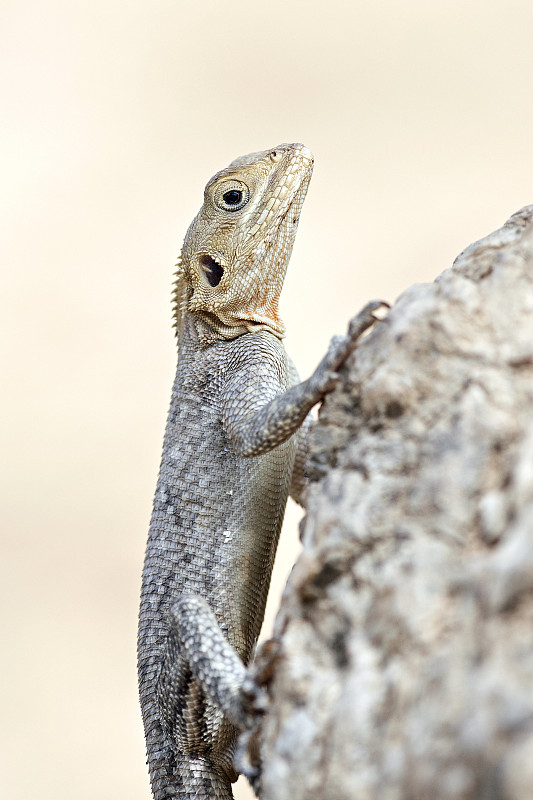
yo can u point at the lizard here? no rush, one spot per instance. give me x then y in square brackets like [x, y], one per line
[234, 447]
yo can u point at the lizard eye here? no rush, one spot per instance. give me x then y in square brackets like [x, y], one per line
[231, 195]
[275, 155]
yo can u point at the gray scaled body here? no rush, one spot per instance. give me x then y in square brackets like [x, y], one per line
[234, 447]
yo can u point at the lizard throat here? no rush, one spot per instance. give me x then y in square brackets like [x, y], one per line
[215, 328]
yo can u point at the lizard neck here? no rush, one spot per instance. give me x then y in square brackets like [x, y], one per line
[195, 333]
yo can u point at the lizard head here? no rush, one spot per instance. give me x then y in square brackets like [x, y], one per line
[236, 251]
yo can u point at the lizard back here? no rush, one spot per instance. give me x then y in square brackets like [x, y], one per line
[217, 509]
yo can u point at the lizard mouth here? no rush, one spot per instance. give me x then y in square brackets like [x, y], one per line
[212, 270]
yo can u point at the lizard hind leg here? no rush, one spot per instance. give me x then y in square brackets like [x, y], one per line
[199, 739]
[214, 663]
[205, 697]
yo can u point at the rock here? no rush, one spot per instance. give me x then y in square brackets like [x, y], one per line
[405, 662]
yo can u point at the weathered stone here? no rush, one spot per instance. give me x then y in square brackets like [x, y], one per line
[405, 669]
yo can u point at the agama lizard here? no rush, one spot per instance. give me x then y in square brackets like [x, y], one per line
[234, 448]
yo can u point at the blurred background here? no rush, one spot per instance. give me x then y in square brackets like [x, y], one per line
[114, 115]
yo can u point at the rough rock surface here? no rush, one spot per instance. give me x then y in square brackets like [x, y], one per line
[406, 657]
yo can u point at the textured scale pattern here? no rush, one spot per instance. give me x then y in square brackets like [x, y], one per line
[234, 448]
[217, 513]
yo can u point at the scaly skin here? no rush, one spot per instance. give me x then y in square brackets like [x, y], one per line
[232, 440]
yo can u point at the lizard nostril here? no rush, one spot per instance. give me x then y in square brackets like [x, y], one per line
[212, 269]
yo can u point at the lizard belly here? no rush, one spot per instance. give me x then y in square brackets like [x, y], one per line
[214, 529]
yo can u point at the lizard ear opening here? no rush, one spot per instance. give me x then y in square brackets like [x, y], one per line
[211, 269]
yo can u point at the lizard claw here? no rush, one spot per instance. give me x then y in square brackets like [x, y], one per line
[254, 700]
[365, 318]
[254, 704]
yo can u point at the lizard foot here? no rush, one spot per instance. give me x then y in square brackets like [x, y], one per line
[326, 374]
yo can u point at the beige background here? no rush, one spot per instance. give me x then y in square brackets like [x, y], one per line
[114, 115]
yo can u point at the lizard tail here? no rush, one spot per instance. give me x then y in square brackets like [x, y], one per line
[193, 779]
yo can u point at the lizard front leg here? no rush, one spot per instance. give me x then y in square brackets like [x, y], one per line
[326, 376]
[253, 431]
